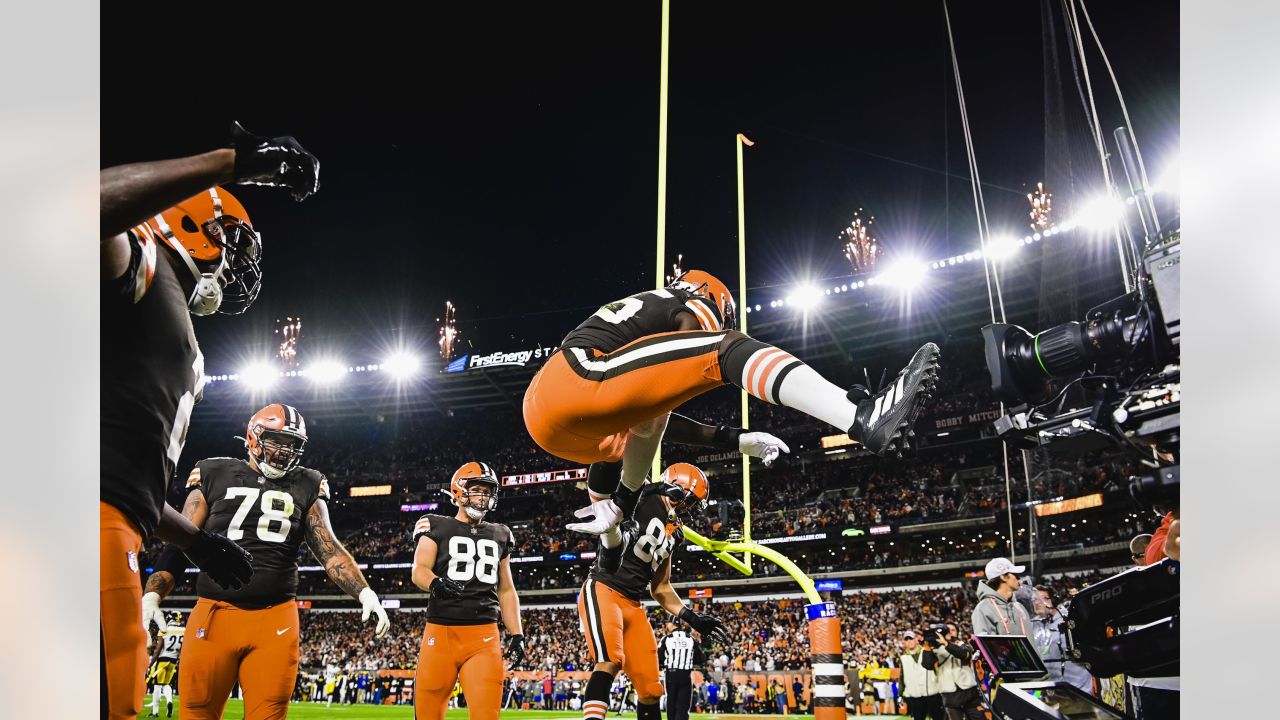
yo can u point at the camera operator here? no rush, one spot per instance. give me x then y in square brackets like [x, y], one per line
[1138, 549]
[1051, 643]
[919, 681]
[956, 681]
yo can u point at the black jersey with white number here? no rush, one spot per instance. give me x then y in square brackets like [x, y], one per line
[652, 540]
[152, 374]
[471, 555]
[641, 315]
[264, 516]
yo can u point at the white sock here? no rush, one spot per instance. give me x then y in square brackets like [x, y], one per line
[155, 698]
[810, 393]
[642, 445]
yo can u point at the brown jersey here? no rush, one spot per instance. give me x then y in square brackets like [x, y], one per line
[641, 315]
[471, 555]
[264, 516]
[651, 541]
[152, 375]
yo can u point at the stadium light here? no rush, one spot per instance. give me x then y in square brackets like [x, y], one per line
[1170, 180]
[402, 365]
[326, 371]
[1002, 248]
[1100, 213]
[259, 376]
[905, 274]
[805, 297]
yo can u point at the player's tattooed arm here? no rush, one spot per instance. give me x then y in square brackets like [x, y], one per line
[161, 582]
[171, 561]
[337, 562]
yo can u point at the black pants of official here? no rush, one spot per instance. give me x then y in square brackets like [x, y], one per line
[679, 694]
[921, 707]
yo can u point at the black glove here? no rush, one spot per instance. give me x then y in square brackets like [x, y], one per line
[708, 627]
[225, 562]
[444, 588]
[515, 650]
[275, 162]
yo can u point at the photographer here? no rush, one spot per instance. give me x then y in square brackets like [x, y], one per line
[956, 681]
[1051, 644]
[919, 681]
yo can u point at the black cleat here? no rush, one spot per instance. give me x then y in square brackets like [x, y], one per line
[883, 421]
[611, 558]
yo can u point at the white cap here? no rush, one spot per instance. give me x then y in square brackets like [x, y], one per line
[1000, 566]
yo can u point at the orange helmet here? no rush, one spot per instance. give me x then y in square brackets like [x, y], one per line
[708, 286]
[693, 490]
[213, 230]
[275, 439]
[464, 477]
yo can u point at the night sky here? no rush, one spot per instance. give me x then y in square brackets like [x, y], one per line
[506, 157]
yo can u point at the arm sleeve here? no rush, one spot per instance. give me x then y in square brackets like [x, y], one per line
[173, 561]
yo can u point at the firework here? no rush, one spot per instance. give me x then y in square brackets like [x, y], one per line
[1041, 207]
[448, 331]
[676, 270]
[290, 331]
[860, 245]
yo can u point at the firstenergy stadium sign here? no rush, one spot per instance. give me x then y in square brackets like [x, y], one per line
[517, 358]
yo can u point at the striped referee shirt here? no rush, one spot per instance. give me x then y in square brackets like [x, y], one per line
[679, 651]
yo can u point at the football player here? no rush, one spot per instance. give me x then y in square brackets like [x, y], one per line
[173, 244]
[610, 605]
[606, 397]
[464, 562]
[164, 663]
[268, 504]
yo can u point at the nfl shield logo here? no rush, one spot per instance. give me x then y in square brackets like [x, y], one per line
[431, 641]
[133, 561]
[200, 633]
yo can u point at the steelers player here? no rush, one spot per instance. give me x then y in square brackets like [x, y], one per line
[164, 663]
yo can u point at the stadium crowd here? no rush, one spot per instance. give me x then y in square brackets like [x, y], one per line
[767, 635]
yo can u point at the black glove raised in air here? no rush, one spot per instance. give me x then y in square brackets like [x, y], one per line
[274, 162]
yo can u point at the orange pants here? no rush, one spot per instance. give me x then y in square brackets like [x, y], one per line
[581, 404]
[618, 632]
[472, 653]
[222, 644]
[124, 641]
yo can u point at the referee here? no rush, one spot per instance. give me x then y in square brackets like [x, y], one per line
[679, 654]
